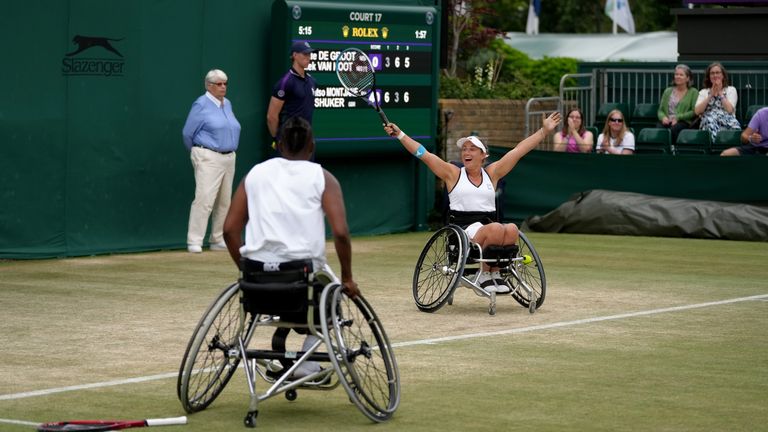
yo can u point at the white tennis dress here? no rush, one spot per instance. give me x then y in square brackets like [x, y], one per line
[465, 196]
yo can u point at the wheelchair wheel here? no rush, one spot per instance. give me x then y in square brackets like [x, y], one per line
[212, 354]
[531, 270]
[439, 268]
[360, 353]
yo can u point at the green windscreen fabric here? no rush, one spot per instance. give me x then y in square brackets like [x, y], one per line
[543, 180]
[95, 97]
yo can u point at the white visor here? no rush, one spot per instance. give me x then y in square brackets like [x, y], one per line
[474, 140]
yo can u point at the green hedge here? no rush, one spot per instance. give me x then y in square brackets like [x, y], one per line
[520, 76]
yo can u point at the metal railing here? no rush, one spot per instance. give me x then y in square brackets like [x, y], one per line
[576, 90]
[638, 86]
[534, 108]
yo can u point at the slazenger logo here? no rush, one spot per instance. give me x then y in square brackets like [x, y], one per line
[76, 63]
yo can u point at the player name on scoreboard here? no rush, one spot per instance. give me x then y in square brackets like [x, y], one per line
[326, 60]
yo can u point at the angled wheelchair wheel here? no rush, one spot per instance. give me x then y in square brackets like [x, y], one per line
[531, 271]
[439, 268]
[360, 353]
[213, 352]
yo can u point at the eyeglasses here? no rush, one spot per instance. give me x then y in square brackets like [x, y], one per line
[616, 120]
[220, 84]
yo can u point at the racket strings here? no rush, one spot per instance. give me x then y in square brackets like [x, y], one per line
[358, 79]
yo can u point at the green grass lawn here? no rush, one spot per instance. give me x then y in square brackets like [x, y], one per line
[636, 333]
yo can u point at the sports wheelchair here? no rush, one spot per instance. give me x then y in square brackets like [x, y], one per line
[349, 341]
[450, 258]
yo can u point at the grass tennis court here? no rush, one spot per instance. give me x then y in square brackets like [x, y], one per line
[636, 333]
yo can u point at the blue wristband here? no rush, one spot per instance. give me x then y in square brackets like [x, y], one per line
[420, 151]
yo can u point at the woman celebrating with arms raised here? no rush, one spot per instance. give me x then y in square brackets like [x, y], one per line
[472, 188]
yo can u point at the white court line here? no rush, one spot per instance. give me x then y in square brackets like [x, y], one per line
[46, 392]
[19, 422]
[581, 321]
[87, 386]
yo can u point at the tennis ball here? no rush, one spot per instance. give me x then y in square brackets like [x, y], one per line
[527, 259]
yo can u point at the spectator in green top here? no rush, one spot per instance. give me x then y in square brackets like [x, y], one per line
[676, 109]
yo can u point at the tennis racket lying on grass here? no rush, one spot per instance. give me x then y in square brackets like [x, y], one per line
[357, 75]
[108, 425]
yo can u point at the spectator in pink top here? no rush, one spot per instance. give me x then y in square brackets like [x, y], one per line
[574, 138]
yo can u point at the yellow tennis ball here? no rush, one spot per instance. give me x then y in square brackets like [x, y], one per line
[527, 259]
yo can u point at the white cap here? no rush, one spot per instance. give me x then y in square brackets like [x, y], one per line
[474, 140]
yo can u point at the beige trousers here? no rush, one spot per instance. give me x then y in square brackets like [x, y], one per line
[214, 173]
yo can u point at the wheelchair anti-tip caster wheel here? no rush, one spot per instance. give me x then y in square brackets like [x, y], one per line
[250, 419]
[291, 395]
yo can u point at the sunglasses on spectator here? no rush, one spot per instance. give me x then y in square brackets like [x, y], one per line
[220, 84]
[616, 120]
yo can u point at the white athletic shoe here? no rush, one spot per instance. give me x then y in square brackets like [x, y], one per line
[486, 282]
[501, 285]
[220, 246]
[194, 249]
[305, 369]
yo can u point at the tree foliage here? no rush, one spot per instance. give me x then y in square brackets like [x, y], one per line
[481, 65]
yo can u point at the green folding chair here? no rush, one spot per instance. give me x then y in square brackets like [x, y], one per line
[595, 133]
[645, 115]
[726, 139]
[751, 110]
[654, 140]
[692, 141]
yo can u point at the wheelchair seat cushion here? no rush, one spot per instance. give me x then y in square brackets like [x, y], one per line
[494, 252]
[277, 288]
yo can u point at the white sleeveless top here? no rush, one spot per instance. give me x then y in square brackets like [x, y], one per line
[286, 220]
[465, 196]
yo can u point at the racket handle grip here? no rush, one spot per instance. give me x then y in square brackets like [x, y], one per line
[383, 116]
[167, 421]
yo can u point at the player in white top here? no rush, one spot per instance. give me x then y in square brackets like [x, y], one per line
[281, 203]
[473, 187]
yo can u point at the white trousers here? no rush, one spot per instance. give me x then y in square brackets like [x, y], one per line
[214, 173]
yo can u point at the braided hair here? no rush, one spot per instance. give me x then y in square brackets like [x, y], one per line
[295, 135]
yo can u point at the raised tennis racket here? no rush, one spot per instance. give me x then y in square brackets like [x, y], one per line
[108, 425]
[357, 74]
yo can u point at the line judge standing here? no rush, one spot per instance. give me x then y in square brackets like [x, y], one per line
[211, 134]
[294, 93]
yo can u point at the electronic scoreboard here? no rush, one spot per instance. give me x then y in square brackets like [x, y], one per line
[402, 43]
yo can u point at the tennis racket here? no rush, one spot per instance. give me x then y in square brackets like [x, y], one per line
[356, 73]
[108, 425]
